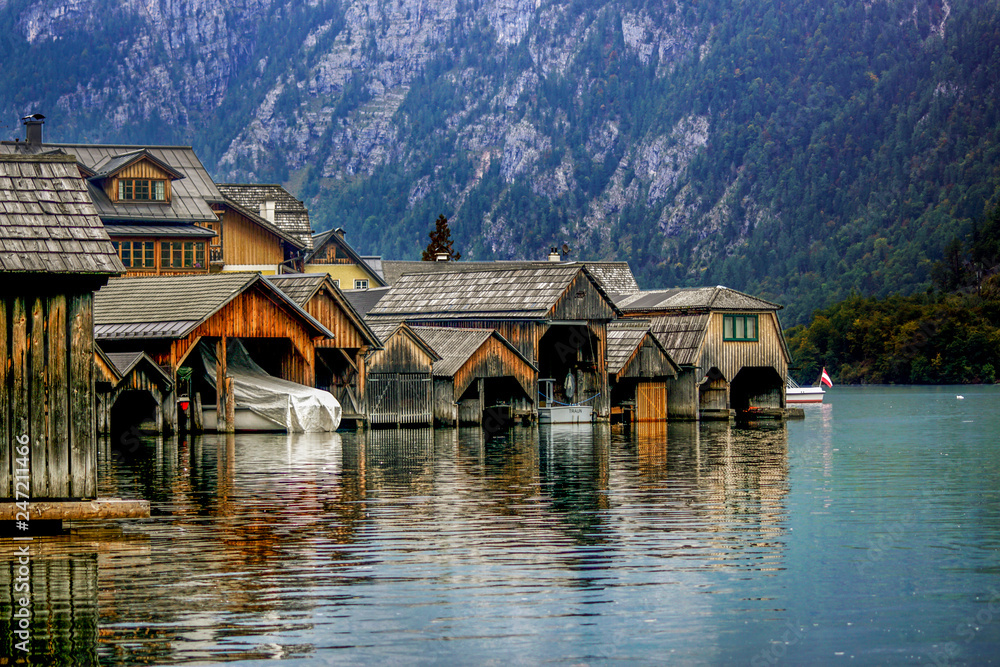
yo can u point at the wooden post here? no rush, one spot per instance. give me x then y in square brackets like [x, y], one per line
[197, 424]
[221, 370]
[230, 406]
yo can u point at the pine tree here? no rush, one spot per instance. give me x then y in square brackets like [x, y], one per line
[440, 242]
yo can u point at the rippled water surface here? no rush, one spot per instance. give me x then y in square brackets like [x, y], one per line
[868, 533]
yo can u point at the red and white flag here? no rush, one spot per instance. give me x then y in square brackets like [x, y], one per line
[825, 379]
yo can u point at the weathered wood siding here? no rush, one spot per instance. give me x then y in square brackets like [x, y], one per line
[254, 314]
[246, 242]
[732, 356]
[647, 361]
[682, 393]
[326, 310]
[492, 360]
[582, 301]
[47, 394]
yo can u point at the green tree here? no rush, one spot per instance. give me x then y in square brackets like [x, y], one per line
[441, 242]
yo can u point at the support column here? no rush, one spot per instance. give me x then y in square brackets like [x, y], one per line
[223, 385]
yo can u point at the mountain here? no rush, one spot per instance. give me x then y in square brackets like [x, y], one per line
[801, 151]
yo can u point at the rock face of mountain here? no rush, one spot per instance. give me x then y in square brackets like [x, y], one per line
[795, 150]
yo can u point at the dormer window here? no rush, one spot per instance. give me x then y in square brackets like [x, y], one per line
[141, 189]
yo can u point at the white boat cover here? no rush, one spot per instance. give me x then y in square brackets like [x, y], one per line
[300, 409]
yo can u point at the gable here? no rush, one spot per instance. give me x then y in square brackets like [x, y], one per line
[582, 300]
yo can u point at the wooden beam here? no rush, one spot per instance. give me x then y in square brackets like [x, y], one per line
[101, 508]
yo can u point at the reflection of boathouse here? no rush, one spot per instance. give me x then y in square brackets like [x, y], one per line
[729, 345]
[555, 314]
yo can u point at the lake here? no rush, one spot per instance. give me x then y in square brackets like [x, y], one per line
[867, 533]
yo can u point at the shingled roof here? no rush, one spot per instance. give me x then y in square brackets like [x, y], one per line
[290, 215]
[615, 277]
[694, 298]
[681, 335]
[456, 346]
[517, 293]
[172, 306]
[48, 223]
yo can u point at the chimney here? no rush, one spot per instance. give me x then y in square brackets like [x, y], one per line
[267, 210]
[553, 254]
[339, 231]
[33, 129]
[441, 257]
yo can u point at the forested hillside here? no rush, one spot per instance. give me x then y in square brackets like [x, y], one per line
[797, 150]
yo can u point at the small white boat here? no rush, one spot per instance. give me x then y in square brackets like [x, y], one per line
[554, 412]
[797, 394]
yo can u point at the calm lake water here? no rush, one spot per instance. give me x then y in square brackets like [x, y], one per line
[868, 533]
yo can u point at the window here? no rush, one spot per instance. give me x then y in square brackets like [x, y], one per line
[136, 254]
[739, 327]
[360, 284]
[141, 189]
[182, 254]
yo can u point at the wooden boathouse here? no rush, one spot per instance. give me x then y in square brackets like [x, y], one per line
[340, 361]
[132, 392]
[54, 253]
[729, 346]
[638, 371]
[400, 389]
[478, 371]
[555, 314]
[168, 316]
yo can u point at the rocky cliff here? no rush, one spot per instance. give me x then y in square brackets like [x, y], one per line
[757, 144]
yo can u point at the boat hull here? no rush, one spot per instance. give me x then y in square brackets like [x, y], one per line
[804, 395]
[246, 420]
[566, 414]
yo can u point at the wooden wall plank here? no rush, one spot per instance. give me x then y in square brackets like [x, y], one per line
[38, 400]
[58, 404]
[82, 436]
[7, 444]
[20, 369]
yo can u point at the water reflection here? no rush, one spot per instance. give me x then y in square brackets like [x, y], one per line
[264, 546]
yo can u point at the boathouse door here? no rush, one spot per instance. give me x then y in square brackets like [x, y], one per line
[651, 401]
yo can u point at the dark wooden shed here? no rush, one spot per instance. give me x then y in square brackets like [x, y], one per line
[133, 394]
[555, 314]
[478, 371]
[54, 253]
[400, 387]
[638, 370]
